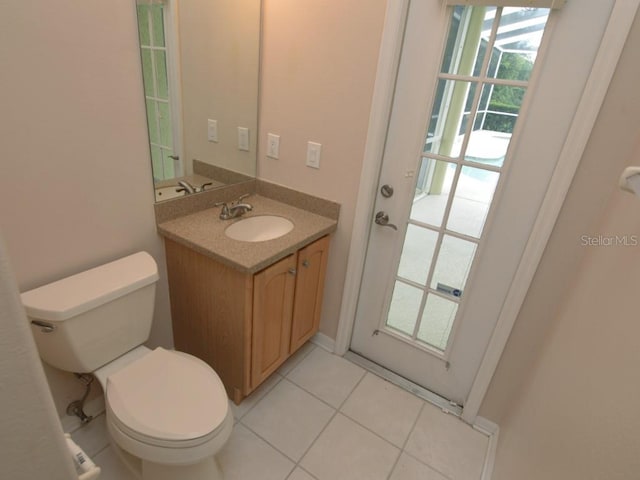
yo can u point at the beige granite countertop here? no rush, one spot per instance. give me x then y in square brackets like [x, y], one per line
[203, 231]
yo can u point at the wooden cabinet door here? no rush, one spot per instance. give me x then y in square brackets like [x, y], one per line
[311, 268]
[273, 290]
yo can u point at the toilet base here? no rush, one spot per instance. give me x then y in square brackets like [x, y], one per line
[207, 469]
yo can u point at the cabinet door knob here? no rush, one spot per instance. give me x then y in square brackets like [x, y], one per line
[305, 263]
[293, 271]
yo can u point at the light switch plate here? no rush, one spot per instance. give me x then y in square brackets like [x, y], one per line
[212, 130]
[313, 154]
[273, 146]
[243, 139]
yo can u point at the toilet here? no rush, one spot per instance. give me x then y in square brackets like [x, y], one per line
[167, 412]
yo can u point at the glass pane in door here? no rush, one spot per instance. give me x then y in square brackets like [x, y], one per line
[405, 308]
[432, 191]
[472, 199]
[437, 321]
[517, 41]
[164, 122]
[453, 265]
[162, 80]
[494, 124]
[147, 73]
[449, 117]
[417, 252]
[466, 47]
[157, 24]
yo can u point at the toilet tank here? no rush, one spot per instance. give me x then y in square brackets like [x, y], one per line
[83, 322]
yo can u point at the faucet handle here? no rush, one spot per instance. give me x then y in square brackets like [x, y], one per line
[223, 205]
[241, 197]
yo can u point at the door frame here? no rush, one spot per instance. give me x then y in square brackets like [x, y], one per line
[622, 16]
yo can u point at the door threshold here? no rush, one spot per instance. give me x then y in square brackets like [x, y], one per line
[427, 395]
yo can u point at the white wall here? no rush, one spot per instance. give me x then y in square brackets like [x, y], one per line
[219, 53]
[577, 415]
[566, 391]
[318, 72]
[609, 149]
[75, 180]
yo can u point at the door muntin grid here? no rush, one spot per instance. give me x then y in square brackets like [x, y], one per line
[486, 66]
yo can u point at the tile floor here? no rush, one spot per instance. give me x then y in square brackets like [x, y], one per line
[321, 417]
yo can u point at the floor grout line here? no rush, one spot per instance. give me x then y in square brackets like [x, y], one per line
[300, 360]
[335, 413]
[262, 397]
[406, 440]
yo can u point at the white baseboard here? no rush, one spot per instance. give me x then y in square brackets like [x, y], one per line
[492, 430]
[324, 341]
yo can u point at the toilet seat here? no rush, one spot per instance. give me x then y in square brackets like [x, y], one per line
[167, 399]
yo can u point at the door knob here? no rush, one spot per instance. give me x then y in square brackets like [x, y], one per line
[382, 219]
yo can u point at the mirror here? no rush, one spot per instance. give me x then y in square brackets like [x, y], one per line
[200, 65]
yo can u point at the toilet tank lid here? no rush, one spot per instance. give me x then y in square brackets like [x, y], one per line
[86, 290]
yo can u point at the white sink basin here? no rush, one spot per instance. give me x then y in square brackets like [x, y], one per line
[166, 193]
[259, 228]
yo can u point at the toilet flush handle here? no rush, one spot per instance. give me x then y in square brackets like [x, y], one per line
[44, 326]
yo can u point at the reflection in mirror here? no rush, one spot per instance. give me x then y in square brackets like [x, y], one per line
[200, 65]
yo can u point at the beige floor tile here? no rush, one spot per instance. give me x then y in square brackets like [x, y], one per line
[383, 408]
[92, 437]
[289, 418]
[247, 457]
[293, 361]
[327, 376]
[408, 468]
[348, 451]
[448, 445]
[111, 467]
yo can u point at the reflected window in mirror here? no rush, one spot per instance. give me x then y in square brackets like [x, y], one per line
[161, 86]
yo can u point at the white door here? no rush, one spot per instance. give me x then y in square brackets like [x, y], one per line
[467, 178]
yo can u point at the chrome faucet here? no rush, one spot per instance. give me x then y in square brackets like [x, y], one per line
[186, 187]
[234, 209]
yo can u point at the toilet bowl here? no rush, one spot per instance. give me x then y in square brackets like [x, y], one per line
[166, 409]
[167, 412]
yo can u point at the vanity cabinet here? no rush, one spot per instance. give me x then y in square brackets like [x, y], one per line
[245, 325]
